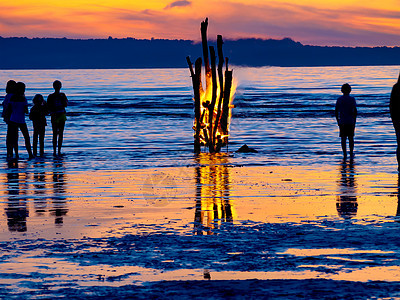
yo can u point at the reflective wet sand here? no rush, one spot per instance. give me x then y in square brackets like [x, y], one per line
[47, 200]
[113, 228]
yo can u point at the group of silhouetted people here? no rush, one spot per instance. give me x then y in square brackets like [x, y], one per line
[15, 106]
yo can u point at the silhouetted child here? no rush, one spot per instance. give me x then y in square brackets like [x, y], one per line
[346, 115]
[38, 116]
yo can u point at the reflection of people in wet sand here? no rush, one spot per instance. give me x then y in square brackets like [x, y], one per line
[16, 210]
[59, 209]
[346, 204]
[346, 114]
[39, 178]
[56, 103]
[395, 115]
[212, 195]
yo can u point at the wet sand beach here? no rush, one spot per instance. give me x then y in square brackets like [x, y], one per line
[277, 229]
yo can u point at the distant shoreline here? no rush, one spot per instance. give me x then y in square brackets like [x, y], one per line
[129, 53]
[161, 68]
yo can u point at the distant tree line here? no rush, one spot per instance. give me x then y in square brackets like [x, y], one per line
[63, 53]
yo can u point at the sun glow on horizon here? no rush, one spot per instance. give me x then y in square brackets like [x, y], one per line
[330, 22]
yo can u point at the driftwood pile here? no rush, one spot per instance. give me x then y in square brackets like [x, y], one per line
[212, 107]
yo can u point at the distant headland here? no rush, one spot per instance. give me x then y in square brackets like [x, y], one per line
[112, 53]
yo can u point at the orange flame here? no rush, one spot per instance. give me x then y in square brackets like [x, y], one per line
[207, 135]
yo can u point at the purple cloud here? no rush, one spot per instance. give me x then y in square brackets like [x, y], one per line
[179, 3]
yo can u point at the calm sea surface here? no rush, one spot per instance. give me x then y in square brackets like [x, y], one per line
[121, 119]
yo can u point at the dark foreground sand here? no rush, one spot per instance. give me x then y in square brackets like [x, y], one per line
[212, 231]
[231, 289]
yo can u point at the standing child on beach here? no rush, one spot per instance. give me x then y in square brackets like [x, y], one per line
[346, 115]
[38, 116]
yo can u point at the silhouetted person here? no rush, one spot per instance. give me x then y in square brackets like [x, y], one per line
[398, 196]
[19, 106]
[38, 116]
[395, 115]
[56, 103]
[10, 90]
[346, 115]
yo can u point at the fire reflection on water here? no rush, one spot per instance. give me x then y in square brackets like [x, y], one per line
[213, 184]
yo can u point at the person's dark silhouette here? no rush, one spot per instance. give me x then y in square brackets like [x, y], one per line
[10, 90]
[18, 106]
[346, 204]
[38, 116]
[346, 115]
[56, 103]
[398, 196]
[394, 107]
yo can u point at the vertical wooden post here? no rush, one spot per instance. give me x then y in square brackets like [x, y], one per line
[225, 106]
[196, 81]
[220, 63]
[213, 100]
[204, 42]
[197, 103]
[221, 88]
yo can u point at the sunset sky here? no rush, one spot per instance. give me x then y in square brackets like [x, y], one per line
[316, 22]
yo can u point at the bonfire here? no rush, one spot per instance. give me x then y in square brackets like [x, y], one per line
[212, 106]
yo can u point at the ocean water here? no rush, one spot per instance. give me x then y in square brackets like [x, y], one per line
[120, 119]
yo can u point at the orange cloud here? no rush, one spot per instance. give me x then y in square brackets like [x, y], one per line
[331, 22]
